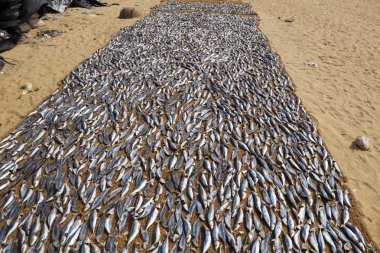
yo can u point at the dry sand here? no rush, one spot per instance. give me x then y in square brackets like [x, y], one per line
[342, 94]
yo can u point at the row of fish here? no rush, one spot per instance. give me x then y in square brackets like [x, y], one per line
[183, 134]
[221, 7]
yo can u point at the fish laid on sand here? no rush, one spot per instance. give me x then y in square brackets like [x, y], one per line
[183, 134]
[222, 7]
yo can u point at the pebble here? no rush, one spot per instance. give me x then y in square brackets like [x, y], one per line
[26, 88]
[312, 64]
[363, 142]
[126, 13]
[290, 19]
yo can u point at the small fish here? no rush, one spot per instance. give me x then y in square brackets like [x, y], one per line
[134, 231]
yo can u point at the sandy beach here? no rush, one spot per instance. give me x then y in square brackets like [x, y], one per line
[341, 93]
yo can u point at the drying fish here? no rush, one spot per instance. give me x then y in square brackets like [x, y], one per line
[183, 134]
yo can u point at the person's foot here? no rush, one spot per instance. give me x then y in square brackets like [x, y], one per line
[35, 22]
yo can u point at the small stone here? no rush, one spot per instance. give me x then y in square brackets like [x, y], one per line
[28, 87]
[126, 13]
[363, 142]
[24, 92]
[312, 64]
[290, 19]
[35, 22]
[24, 28]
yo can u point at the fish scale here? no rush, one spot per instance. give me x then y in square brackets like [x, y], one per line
[187, 127]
